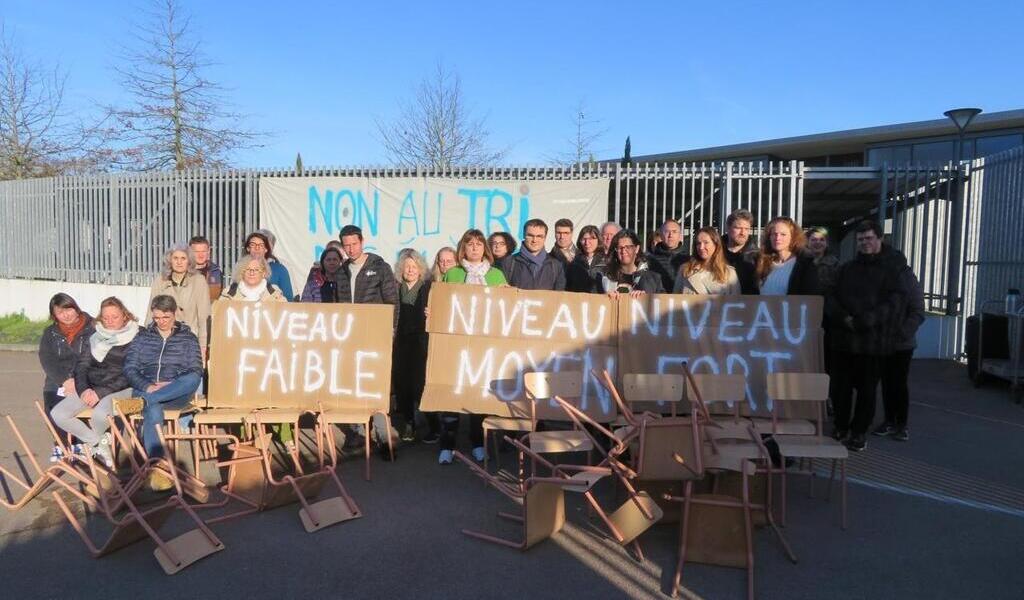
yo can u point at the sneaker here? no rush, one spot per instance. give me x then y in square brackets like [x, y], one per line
[57, 455]
[78, 452]
[408, 434]
[856, 443]
[101, 452]
[479, 454]
[387, 454]
[158, 482]
[884, 429]
[445, 457]
[431, 438]
[839, 434]
[902, 435]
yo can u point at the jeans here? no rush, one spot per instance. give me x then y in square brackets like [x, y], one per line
[65, 416]
[176, 394]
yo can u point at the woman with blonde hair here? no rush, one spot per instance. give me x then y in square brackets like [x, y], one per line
[707, 271]
[251, 281]
[783, 266]
[100, 379]
[443, 260]
[181, 281]
[409, 359]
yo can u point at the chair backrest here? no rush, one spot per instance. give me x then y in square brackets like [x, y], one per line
[722, 394]
[543, 512]
[653, 391]
[660, 440]
[541, 387]
[798, 387]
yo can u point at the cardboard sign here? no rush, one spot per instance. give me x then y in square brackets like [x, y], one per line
[749, 335]
[300, 355]
[482, 340]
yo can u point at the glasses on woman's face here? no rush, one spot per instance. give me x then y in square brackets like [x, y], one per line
[498, 243]
[627, 249]
[255, 270]
[257, 246]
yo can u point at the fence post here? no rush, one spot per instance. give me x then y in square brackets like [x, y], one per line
[117, 274]
[883, 195]
[727, 196]
[954, 266]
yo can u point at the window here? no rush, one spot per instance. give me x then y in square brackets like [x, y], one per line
[999, 143]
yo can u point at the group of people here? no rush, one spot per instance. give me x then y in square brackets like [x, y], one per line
[873, 307]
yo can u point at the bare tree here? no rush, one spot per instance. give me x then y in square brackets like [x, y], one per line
[38, 136]
[586, 132]
[178, 118]
[437, 129]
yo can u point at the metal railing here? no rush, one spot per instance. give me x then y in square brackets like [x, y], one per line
[115, 228]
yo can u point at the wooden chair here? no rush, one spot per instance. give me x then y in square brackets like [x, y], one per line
[542, 502]
[542, 389]
[521, 420]
[327, 447]
[134, 525]
[807, 388]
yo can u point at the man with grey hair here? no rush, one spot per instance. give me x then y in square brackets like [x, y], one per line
[668, 255]
[740, 249]
[608, 231]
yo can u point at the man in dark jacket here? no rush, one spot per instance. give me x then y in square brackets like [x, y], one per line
[896, 366]
[532, 268]
[864, 308]
[564, 250]
[365, 278]
[669, 254]
[165, 367]
[740, 250]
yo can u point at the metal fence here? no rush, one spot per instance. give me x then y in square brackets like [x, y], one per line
[115, 228]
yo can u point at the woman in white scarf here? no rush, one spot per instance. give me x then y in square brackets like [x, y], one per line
[250, 282]
[99, 380]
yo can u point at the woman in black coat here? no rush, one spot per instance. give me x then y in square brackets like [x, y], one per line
[584, 273]
[62, 344]
[409, 359]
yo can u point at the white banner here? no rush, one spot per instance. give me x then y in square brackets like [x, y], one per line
[409, 212]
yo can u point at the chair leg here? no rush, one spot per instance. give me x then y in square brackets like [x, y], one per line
[749, 535]
[842, 476]
[782, 493]
[683, 530]
[366, 444]
[485, 451]
[831, 480]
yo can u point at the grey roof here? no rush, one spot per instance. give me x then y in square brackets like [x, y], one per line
[840, 142]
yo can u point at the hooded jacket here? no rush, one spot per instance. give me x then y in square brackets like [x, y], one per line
[152, 358]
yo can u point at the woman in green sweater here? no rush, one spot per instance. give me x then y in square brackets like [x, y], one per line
[474, 268]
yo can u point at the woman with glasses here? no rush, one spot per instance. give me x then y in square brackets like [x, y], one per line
[252, 284]
[707, 272]
[585, 271]
[502, 246]
[627, 271]
[259, 244]
[443, 260]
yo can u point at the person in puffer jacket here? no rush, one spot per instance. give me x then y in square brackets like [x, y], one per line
[165, 368]
[365, 278]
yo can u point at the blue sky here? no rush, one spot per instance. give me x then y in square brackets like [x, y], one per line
[672, 75]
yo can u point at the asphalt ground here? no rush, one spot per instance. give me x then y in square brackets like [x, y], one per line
[941, 516]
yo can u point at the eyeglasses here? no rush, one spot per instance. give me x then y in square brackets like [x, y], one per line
[629, 248]
[257, 245]
[253, 271]
[498, 243]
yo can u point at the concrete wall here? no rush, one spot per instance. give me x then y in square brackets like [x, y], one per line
[33, 297]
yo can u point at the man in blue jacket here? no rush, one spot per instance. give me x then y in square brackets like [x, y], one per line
[165, 368]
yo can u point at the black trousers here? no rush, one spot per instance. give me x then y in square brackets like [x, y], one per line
[855, 373]
[895, 391]
[450, 430]
[409, 372]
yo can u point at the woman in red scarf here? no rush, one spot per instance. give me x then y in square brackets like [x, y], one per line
[59, 349]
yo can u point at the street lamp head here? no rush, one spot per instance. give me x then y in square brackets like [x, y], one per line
[962, 117]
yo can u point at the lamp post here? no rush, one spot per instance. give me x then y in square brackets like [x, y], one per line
[962, 118]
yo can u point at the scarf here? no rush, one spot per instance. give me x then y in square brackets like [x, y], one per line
[253, 293]
[475, 273]
[536, 260]
[104, 339]
[70, 332]
[409, 294]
